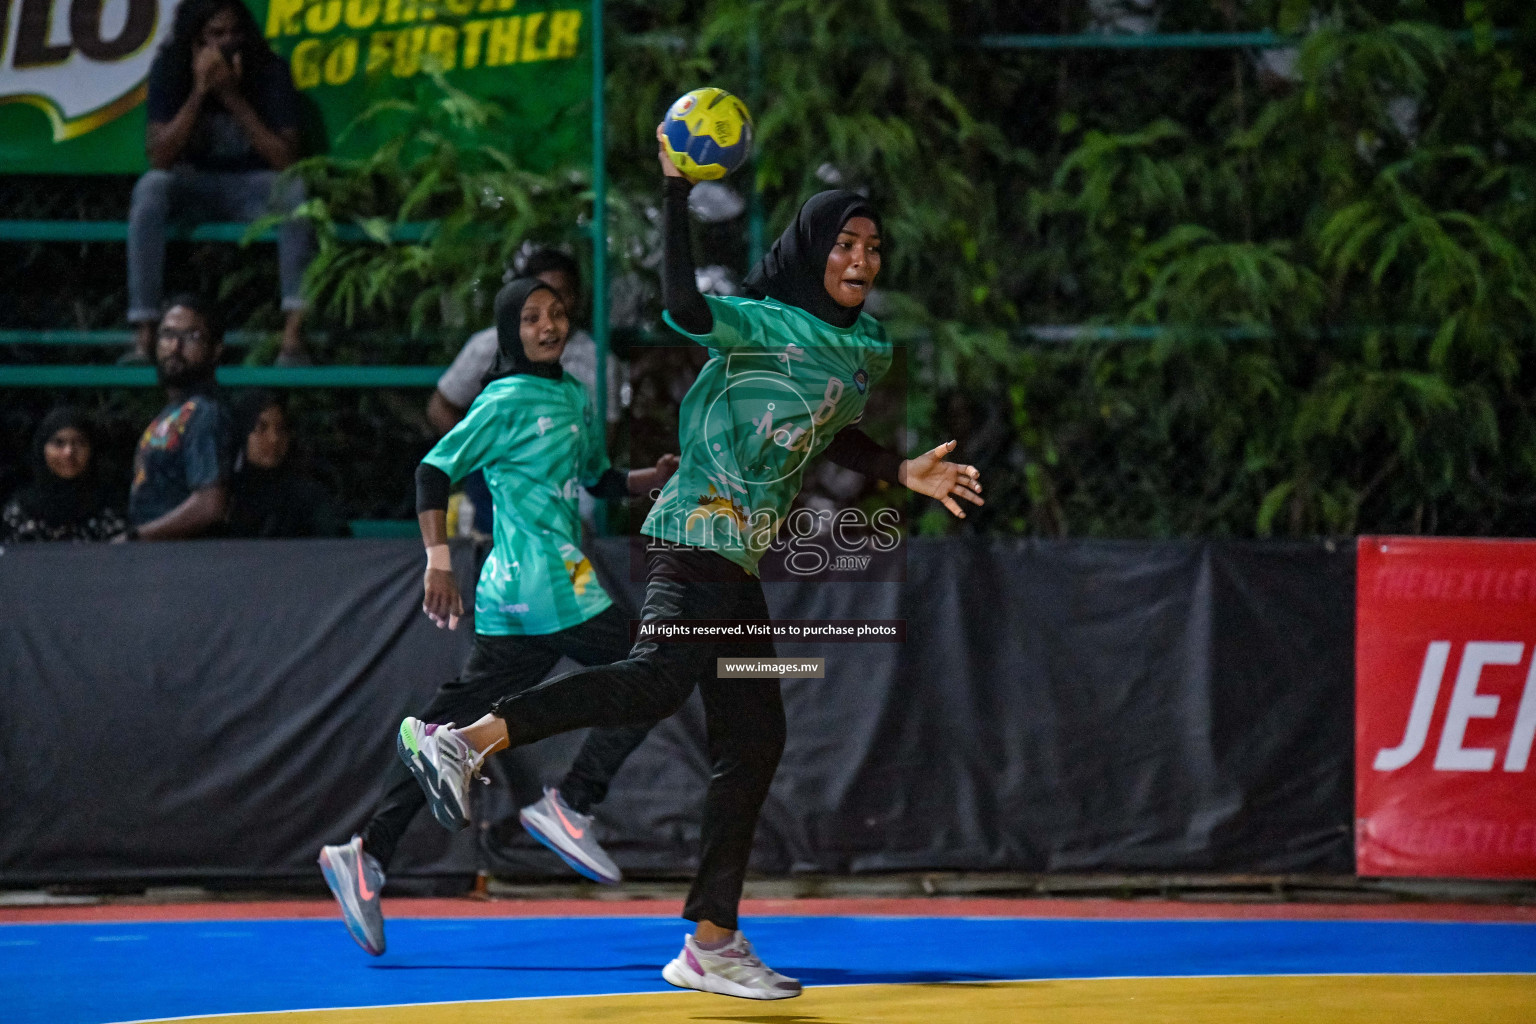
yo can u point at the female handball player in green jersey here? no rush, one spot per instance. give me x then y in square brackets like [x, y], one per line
[532, 431]
[789, 371]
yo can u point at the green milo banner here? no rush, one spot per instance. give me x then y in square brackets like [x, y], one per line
[73, 73]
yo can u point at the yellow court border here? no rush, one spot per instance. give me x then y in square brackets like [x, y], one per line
[1279, 999]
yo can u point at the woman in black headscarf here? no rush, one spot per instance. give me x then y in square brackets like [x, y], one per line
[532, 433]
[806, 267]
[789, 371]
[512, 349]
[269, 496]
[66, 499]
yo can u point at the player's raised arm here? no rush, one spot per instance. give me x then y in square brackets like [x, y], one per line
[853, 449]
[679, 287]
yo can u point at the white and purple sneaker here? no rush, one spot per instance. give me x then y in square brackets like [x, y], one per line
[732, 971]
[444, 766]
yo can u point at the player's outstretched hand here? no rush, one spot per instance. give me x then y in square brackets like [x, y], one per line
[929, 474]
[442, 603]
[668, 168]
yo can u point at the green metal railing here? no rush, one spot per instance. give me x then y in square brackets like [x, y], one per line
[376, 529]
[117, 231]
[64, 375]
[1264, 40]
[1151, 41]
[104, 338]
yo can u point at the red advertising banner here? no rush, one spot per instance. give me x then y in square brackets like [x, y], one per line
[1445, 707]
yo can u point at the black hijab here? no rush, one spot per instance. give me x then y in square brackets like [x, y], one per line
[277, 502]
[50, 498]
[794, 271]
[510, 357]
[258, 495]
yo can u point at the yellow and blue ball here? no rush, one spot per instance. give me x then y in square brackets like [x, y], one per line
[707, 133]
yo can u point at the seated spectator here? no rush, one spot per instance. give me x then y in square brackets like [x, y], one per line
[223, 122]
[181, 468]
[268, 495]
[67, 499]
[464, 378]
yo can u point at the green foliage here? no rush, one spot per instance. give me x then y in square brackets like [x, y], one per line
[1346, 276]
[1336, 254]
[440, 162]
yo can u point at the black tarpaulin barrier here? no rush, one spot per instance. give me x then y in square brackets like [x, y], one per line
[218, 710]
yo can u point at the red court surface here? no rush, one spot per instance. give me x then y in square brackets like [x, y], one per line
[1078, 909]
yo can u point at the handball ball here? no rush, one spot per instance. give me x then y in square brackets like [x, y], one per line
[707, 133]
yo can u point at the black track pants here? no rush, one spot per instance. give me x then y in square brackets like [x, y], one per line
[498, 666]
[745, 717]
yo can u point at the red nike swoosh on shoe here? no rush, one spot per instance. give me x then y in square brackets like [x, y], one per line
[362, 885]
[575, 833]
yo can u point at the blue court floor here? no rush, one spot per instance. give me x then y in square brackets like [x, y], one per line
[94, 973]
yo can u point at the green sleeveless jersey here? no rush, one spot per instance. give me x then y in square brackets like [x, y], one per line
[536, 441]
[779, 384]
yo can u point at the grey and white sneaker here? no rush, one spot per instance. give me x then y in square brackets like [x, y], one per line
[356, 879]
[444, 765]
[569, 833]
[732, 971]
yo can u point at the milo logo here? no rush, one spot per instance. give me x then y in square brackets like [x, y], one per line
[82, 62]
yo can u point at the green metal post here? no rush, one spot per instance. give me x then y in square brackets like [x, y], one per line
[599, 240]
[754, 103]
[599, 219]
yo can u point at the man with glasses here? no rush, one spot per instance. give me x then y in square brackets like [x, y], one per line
[181, 469]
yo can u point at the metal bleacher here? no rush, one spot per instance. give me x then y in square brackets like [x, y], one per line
[95, 375]
[89, 375]
[117, 231]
